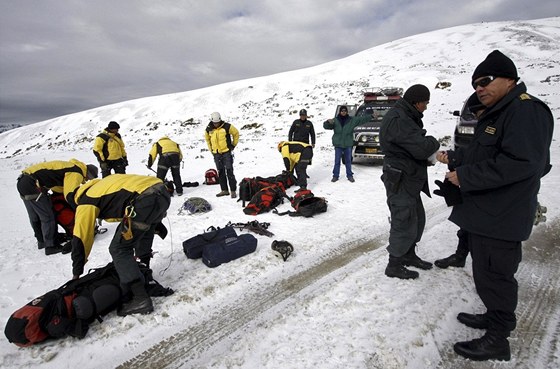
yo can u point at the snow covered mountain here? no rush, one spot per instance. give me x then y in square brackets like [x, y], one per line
[329, 305]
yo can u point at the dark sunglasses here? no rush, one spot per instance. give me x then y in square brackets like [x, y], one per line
[344, 111]
[483, 82]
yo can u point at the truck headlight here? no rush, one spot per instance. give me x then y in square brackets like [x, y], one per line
[363, 138]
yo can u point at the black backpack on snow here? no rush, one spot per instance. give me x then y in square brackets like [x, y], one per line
[306, 204]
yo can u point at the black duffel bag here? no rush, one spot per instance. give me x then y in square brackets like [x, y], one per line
[193, 246]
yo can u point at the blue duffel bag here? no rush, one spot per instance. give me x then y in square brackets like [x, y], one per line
[229, 249]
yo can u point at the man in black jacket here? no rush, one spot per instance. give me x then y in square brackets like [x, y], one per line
[405, 174]
[499, 175]
[302, 129]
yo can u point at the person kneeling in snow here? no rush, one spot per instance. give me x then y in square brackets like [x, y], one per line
[139, 203]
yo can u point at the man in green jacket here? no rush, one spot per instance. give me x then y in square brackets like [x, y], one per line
[343, 139]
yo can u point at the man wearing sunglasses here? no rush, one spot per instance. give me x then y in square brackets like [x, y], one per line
[499, 177]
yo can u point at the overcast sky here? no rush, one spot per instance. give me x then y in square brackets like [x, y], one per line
[62, 56]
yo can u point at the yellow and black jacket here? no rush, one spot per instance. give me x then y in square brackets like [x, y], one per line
[108, 146]
[222, 139]
[164, 146]
[293, 152]
[59, 176]
[105, 199]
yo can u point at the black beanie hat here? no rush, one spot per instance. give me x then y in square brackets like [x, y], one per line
[113, 125]
[417, 93]
[496, 64]
[474, 104]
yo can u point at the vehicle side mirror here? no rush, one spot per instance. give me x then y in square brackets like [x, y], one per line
[457, 113]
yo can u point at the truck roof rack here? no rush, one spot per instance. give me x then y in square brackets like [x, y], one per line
[382, 93]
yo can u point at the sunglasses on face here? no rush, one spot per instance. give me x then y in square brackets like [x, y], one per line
[344, 111]
[483, 82]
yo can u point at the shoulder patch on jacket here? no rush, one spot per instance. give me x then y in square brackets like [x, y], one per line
[524, 96]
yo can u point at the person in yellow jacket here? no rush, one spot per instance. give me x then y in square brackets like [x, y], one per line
[33, 185]
[297, 156]
[222, 138]
[170, 156]
[139, 203]
[109, 150]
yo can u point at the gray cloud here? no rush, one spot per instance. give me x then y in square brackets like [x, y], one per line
[59, 57]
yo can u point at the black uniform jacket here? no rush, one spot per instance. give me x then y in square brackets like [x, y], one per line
[500, 171]
[406, 146]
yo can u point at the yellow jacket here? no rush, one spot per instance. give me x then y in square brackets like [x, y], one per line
[108, 146]
[60, 176]
[164, 146]
[292, 153]
[105, 199]
[222, 139]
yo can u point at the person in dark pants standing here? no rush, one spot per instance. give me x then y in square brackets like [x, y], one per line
[140, 203]
[452, 196]
[170, 157]
[302, 129]
[405, 174]
[499, 176]
[297, 156]
[222, 138]
[108, 148]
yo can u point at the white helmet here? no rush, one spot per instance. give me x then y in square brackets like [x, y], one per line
[215, 117]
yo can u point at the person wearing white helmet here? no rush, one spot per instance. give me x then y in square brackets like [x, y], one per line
[222, 138]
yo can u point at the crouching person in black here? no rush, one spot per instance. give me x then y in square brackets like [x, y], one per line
[297, 156]
[139, 203]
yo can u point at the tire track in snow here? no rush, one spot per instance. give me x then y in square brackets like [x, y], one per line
[187, 345]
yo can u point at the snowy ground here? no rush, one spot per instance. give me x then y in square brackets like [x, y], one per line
[329, 305]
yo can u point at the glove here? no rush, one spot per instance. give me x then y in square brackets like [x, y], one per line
[161, 230]
[103, 166]
[450, 192]
[125, 161]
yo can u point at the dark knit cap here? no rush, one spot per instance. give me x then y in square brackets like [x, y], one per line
[474, 104]
[417, 93]
[113, 125]
[496, 64]
[303, 112]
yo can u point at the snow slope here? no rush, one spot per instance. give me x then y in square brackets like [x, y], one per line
[329, 305]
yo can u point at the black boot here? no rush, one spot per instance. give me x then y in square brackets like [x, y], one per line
[411, 259]
[478, 321]
[141, 302]
[396, 269]
[491, 346]
[454, 260]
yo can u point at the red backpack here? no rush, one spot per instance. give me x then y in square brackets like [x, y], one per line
[265, 200]
[211, 177]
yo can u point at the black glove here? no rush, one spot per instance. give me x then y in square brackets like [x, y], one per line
[161, 230]
[125, 161]
[450, 192]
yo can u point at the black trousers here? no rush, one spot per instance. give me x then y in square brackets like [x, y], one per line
[495, 263]
[150, 208]
[408, 220]
[173, 162]
[224, 166]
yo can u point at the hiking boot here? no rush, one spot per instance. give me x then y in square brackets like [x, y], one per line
[477, 321]
[453, 260]
[334, 179]
[179, 194]
[395, 269]
[53, 250]
[138, 305]
[233, 194]
[351, 179]
[222, 193]
[411, 259]
[488, 347]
